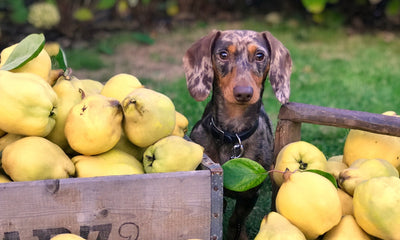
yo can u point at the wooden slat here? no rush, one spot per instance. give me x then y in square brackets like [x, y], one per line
[147, 206]
[372, 122]
[286, 132]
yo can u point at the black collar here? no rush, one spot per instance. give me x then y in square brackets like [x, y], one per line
[228, 137]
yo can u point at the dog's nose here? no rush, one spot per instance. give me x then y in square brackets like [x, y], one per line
[243, 94]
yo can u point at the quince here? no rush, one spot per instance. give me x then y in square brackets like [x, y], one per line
[347, 202]
[310, 202]
[172, 154]
[93, 126]
[362, 144]
[36, 158]
[149, 116]
[376, 208]
[334, 166]
[88, 86]
[125, 145]
[40, 65]
[363, 169]
[113, 162]
[28, 104]
[181, 125]
[120, 85]
[68, 97]
[299, 155]
[346, 229]
[274, 226]
[66, 236]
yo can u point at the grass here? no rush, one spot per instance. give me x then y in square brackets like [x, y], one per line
[330, 68]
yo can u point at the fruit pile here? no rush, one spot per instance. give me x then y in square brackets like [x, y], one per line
[351, 196]
[54, 125]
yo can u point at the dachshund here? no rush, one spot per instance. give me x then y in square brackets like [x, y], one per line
[234, 64]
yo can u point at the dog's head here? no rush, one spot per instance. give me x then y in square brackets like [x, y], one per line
[240, 60]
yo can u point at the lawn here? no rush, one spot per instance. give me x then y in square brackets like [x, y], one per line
[330, 68]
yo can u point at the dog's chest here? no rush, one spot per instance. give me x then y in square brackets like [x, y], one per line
[257, 147]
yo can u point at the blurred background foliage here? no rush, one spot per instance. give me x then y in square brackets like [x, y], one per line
[81, 19]
[334, 66]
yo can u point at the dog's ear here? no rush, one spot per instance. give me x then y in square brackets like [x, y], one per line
[198, 66]
[280, 68]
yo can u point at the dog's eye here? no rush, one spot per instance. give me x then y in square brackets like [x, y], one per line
[223, 55]
[260, 56]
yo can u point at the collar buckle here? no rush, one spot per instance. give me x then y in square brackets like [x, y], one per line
[238, 149]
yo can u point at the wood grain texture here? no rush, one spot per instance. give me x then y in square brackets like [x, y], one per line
[292, 115]
[148, 206]
[343, 118]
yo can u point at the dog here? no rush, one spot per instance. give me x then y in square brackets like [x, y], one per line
[234, 65]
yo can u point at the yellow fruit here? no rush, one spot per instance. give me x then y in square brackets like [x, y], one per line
[376, 208]
[88, 86]
[181, 125]
[52, 48]
[67, 236]
[36, 158]
[172, 154]
[390, 113]
[276, 227]
[113, 162]
[8, 139]
[40, 65]
[335, 167]
[298, 155]
[28, 104]
[363, 169]
[54, 75]
[346, 201]
[68, 97]
[125, 145]
[310, 202]
[362, 144]
[336, 158]
[93, 126]
[149, 116]
[120, 85]
[346, 229]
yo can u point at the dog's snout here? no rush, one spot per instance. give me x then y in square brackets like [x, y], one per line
[243, 93]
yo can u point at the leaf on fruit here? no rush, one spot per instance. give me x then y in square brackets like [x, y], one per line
[329, 176]
[242, 174]
[26, 50]
[59, 61]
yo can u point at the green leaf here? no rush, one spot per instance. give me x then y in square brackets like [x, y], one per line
[60, 60]
[314, 6]
[329, 176]
[146, 2]
[83, 14]
[393, 8]
[19, 12]
[105, 4]
[25, 51]
[242, 174]
[143, 38]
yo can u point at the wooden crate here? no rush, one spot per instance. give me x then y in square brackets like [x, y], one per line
[292, 115]
[179, 205]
